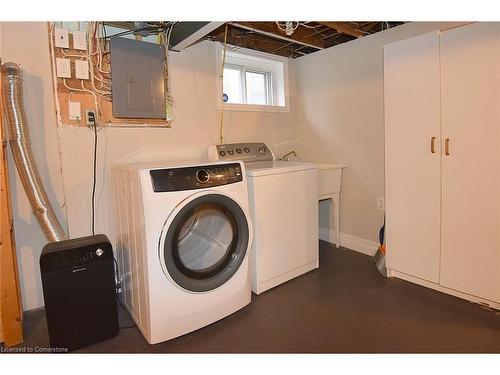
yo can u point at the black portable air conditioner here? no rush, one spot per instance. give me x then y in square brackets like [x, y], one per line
[78, 281]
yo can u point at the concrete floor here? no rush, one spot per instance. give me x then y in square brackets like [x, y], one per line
[344, 307]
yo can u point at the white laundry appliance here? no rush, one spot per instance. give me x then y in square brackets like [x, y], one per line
[183, 239]
[283, 197]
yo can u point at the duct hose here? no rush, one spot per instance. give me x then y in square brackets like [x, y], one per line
[17, 127]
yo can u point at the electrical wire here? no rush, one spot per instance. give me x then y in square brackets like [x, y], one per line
[118, 286]
[164, 40]
[305, 24]
[151, 29]
[95, 124]
[78, 55]
[289, 28]
[228, 46]
[125, 307]
[95, 43]
[221, 78]
[94, 178]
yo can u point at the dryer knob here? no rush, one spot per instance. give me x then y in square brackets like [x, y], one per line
[202, 176]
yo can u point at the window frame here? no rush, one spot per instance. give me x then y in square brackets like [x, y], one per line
[243, 70]
[272, 86]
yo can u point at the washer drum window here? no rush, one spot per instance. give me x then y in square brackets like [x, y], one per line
[206, 242]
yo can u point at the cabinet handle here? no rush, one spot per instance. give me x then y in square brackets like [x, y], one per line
[433, 145]
[447, 146]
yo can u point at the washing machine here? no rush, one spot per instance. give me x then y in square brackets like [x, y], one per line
[283, 198]
[183, 237]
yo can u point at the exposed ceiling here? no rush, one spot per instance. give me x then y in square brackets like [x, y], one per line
[307, 37]
[290, 39]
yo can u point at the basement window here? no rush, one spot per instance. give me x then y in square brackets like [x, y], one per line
[253, 81]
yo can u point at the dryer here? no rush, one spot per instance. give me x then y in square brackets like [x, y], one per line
[183, 236]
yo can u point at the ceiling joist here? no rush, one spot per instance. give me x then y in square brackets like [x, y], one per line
[306, 37]
[343, 27]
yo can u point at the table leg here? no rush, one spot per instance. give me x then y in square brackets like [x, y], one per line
[336, 217]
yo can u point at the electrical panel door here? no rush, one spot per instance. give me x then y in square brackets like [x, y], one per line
[137, 78]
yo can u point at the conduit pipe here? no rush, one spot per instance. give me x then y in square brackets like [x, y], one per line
[275, 36]
[17, 127]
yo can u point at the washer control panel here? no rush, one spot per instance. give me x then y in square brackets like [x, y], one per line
[248, 152]
[196, 177]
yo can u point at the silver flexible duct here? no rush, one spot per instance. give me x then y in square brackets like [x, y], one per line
[12, 97]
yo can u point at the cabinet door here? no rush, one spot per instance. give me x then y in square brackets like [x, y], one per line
[470, 65]
[412, 155]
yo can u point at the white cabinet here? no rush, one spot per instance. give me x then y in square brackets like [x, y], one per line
[442, 125]
[413, 170]
[470, 87]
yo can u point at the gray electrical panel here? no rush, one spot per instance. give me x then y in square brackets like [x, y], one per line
[137, 79]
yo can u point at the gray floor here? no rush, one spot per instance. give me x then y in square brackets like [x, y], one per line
[344, 307]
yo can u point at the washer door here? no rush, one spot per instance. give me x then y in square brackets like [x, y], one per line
[205, 242]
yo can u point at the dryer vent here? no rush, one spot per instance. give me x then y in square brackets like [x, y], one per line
[12, 97]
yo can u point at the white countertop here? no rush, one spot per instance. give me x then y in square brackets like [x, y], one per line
[330, 166]
[262, 168]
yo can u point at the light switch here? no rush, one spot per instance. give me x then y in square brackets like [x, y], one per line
[63, 67]
[81, 69]
[74, 111]
[80, 40]
[61, 38]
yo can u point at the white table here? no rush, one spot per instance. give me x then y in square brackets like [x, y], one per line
[330, 183]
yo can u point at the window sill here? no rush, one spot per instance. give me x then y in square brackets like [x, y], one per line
[254, 108]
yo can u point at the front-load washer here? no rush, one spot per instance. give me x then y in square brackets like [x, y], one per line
[283, 198]
[183, 235]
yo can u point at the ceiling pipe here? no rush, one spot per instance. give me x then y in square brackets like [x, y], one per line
[275, 36]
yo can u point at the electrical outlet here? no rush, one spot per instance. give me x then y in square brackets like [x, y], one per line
[90, 118]
[63, 68]
[81, 69]
[61, 38]
[74, 110]
[381, 203]
[80, 40]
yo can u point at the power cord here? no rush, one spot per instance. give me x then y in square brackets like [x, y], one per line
[94, 180]
[221, 78]
[125, 307]
[119, 291]
[94, 173]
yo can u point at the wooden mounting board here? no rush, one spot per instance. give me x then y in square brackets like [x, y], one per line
[87, 102]
[64, 95]
[10, 297]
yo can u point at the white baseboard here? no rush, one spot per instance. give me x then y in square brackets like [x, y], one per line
[349, 241]
[456, 293]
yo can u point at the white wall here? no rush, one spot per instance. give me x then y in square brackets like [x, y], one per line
[195, 126]
[27, 44]
[340, 119]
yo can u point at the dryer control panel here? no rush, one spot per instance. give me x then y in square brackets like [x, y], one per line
[197, 177]
[248, 152]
